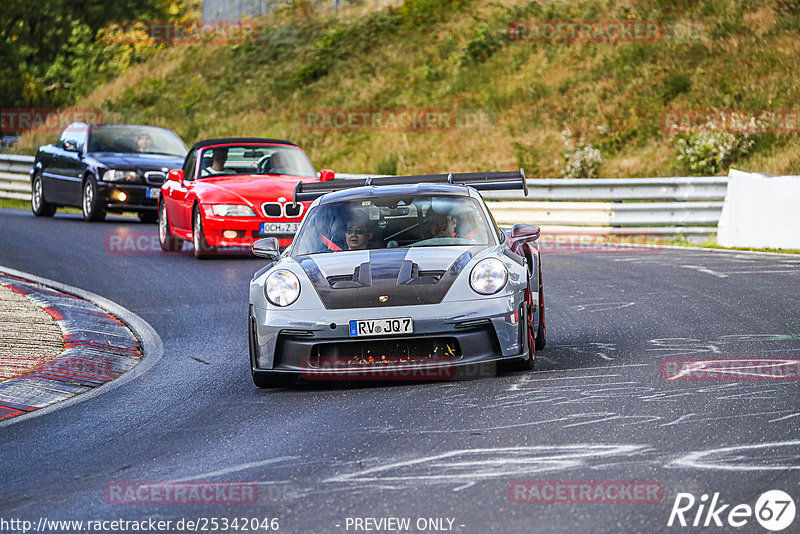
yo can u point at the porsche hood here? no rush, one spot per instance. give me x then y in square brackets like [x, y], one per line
[385, 277]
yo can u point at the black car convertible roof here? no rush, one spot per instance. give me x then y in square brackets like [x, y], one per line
[240, 140]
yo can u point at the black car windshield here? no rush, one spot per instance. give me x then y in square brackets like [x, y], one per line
[391, 222]
[255, 159]
[133, 139]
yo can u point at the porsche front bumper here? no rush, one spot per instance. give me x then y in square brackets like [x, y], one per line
[445, 335]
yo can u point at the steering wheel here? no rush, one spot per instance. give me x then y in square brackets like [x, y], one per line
[262, 163]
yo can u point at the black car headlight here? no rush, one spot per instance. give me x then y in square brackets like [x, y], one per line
[488, 277]
[282, 288]
[114, 175]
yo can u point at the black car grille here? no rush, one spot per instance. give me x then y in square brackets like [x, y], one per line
[293, 210]
[155, 178]
[272, 209]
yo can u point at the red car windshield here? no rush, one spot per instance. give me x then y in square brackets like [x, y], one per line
[255, 159]
[388, 222]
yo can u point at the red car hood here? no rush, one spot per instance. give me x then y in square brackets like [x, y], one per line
[249, 189]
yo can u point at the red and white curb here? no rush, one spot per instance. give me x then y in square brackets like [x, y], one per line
[99, 347]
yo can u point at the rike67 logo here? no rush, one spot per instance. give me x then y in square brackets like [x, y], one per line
[774, 510]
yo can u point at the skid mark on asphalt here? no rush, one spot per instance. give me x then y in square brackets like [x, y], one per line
[774, 456]
[680, 346]
[465, 466]
[602, 306]
[236, 468]
[785, 417]
[719, 265]
[701, 269]
[579, 351]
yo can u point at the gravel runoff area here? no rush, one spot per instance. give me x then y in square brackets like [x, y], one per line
[29, 336]
[55, 346]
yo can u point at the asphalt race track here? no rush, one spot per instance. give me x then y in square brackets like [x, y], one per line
[596, 408]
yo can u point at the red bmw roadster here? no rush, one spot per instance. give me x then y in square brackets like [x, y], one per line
[231, 192]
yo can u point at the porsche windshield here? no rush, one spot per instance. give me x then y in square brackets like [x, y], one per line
[255, 159]
[390, 222]
[135, 139]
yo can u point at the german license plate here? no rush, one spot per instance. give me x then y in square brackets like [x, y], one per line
[279, 228]
[381, 327]
[153, 192]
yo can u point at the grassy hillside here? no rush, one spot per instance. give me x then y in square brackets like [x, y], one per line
[511, 100]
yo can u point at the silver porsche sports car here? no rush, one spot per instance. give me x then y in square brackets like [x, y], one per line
[395, 275]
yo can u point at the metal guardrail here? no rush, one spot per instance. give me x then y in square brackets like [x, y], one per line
[14, 179]
[662, 206]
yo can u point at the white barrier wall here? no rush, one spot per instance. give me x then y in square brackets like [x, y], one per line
[760, 211]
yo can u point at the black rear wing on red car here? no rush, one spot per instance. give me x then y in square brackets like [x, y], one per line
[483, 181]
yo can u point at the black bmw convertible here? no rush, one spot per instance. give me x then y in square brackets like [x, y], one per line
[104, 168]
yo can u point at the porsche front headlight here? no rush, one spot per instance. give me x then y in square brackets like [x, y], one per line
[232, 210]
[282, 288]
[488, 276]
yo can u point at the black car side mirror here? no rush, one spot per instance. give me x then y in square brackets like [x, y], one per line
[71, 146]
[267, 248]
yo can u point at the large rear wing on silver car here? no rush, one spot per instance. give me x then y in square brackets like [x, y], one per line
[479, 180]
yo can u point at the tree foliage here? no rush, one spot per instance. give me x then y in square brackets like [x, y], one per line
[51, 51]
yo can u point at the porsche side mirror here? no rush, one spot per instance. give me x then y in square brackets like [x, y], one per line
[176, 175]
[326, 175]
[523, 233]
[267, 248]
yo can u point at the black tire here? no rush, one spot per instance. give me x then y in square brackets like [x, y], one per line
[39, 206]
[541, 339]
[90, 204]
[272, 380]
[168, 242]
[148, 216]
[201, 247]
[261, 380]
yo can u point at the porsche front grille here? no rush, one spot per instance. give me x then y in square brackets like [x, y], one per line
[388, 351]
